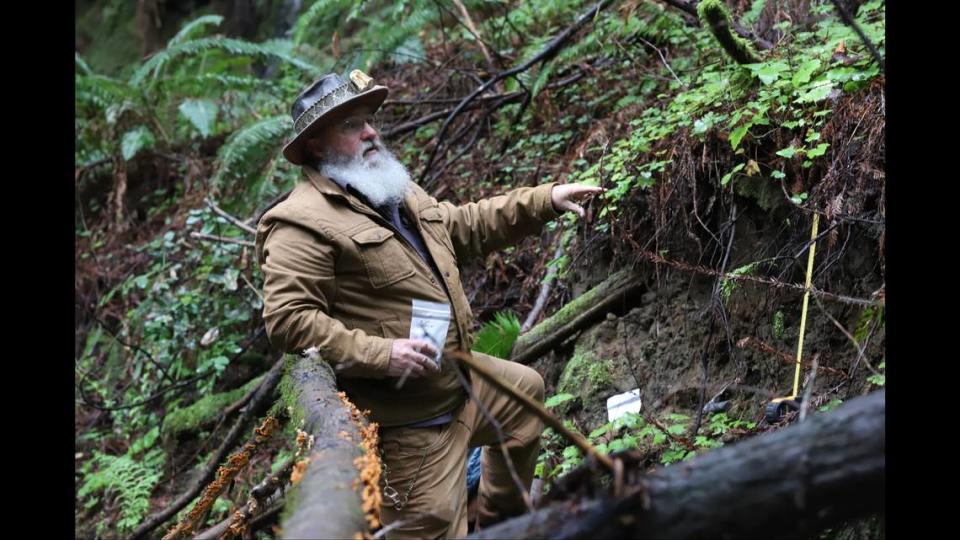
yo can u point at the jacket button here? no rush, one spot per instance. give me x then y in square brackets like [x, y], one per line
[446, 274]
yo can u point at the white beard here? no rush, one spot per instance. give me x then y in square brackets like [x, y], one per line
[381, 178]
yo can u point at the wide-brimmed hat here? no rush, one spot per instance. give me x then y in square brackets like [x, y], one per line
[322, 100]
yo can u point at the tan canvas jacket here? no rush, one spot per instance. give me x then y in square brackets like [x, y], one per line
[337, 277]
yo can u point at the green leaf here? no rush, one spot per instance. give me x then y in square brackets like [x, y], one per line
[818, 151]
[802, 76]
[201, 113]
[553, 401]
[600, 430]
[768, 72]
[135, 140]
[726, 178]
[820, 90]
[788, 152]
[190, 29]
[737, 135]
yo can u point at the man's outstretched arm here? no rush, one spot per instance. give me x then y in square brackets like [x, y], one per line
[478, 228]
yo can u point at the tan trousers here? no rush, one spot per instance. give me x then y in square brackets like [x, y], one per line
[430, 463]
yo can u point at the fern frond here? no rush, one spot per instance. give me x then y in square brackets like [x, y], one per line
[191, 27]
[101, 91]
[237, 47]
[496, 337]
[316, 11]
[132, 483]
[237, 155]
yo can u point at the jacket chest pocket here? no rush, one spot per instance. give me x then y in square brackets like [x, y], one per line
[432, 222]
[382, 257]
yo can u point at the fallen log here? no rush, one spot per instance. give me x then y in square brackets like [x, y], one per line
[575, 316]
[789, 484]
[331, 500]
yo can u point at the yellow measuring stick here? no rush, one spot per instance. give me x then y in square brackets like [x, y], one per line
[774, 409]
[806, 301]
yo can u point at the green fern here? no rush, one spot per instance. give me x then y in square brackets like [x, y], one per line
[496, 337]
[237, 157]
[100, 91]
[128, 481]
[394, 31]
[313, 14]
[156, 63]
[189, 29]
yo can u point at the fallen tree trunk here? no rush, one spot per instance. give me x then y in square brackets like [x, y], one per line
[788, 484]
[328, 501]
[574, 316]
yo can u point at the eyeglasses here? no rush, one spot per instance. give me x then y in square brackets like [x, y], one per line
[354, 125]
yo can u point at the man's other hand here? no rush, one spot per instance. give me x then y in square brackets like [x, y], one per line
[564, 196]
[410, 356]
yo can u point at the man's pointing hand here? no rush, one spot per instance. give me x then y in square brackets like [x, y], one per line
[564, 196]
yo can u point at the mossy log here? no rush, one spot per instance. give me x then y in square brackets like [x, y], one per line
[716, 16]
[791, 483]
[328, 500]
[575, 316]
[205, 412]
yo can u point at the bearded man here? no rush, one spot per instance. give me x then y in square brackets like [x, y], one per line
[356, 261]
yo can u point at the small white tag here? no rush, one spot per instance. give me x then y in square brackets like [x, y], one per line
[430, 321]
[621, 404]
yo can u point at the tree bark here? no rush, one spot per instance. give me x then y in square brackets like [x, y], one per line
[788, 484]
[328, 501]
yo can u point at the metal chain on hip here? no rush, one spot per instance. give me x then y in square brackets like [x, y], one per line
[392, 494]
[389, 491]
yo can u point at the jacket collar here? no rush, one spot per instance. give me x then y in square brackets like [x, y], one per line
[329, 187]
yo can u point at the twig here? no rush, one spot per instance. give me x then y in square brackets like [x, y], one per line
[501, 437]
[262, 495]
[546, 53]
[226, 474]
[545, 287]
[787, 358]
[860, 348]
[534, 407]
[808, 392]
[213, 238]
[856, 28]
[717, 304]
[252, 288]
[230, 218]
[472, 28]
[686, 267]
[426, 119]
[134, 347]
[159, 393]
[263, 392]
[662, 58]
